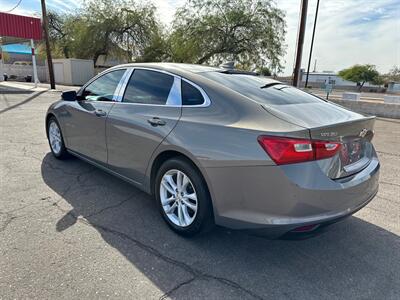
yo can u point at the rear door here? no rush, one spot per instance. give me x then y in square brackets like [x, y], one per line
[148, 111]
[85, 120]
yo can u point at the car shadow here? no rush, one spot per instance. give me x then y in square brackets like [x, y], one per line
[354, 259]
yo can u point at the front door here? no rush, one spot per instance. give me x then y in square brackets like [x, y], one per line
[86, 119]
[149, 110]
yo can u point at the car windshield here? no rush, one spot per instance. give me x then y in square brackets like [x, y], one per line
[262, 89]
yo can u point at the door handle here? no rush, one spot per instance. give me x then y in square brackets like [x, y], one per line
[156, 122]
[100, 113]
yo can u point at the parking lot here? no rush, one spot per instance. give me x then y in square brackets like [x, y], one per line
[71, 231]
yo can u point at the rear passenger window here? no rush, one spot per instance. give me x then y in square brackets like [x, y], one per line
[256, 88]
[191, 95]
[148, 87]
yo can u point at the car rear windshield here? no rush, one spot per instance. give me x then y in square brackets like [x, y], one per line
[261, 89]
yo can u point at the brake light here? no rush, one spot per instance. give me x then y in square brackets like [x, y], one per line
[325, 149]
[284, 150]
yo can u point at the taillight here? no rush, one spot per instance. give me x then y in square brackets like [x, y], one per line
[284, 150]
[325, 149]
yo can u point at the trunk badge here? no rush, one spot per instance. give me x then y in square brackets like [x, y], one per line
[329, 134]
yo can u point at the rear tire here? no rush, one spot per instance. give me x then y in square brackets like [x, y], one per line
[56, 140]
[183, 198]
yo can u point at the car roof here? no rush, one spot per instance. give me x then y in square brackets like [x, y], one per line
[193, 72]
[174, 67]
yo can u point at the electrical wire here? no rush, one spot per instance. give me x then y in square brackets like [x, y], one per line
[10, 10]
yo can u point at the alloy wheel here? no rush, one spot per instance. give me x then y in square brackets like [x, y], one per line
[55, 137]
[178, 198]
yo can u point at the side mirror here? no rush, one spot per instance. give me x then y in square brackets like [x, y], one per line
[69, 96]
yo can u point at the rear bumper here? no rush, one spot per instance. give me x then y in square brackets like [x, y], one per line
[273, 200]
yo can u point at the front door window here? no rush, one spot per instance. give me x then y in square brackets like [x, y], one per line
[103, 88]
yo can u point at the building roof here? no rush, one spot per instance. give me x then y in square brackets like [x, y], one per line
[16, 26]
[321, 73]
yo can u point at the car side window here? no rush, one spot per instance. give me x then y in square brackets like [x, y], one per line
[103, 88]
[190, 94]
[148, 87]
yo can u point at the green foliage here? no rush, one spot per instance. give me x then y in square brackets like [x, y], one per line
[378, 80]
[6, 56]
[58, 35]
[249, 32]
[156, 50]
[120, 28]
[360, 74]
[264, 71]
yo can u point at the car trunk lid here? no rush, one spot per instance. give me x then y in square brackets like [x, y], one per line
[330, 122]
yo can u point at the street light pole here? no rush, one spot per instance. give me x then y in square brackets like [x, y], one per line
[35, 75]
[45, 25]
[312, 43]
[300, 42]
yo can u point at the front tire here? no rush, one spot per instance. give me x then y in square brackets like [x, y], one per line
[183, 198]
[56, 140]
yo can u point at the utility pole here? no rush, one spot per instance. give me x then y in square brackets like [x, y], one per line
[45, 25]
[312, 43]
[300, 42]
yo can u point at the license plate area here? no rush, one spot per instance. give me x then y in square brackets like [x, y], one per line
[352, 151]
[354, 156]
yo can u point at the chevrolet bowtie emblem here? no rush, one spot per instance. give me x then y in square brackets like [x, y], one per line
[363, 132]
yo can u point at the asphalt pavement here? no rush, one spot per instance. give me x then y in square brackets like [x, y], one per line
[71, 231]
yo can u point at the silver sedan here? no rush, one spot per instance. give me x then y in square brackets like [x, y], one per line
[221, 146]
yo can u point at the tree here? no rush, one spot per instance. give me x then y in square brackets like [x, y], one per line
[6, 56]
[378, 80]
[156, 50]
[249, 32]
[264, 71]
[119, 28]
[57, 33]
[393, 75]
[360, 74]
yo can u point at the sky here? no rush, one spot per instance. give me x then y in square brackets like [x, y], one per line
[348, 31]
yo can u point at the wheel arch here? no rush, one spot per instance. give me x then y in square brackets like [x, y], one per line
[162, 157]
[167, 154]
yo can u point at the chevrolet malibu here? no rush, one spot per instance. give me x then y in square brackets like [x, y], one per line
[221, 146]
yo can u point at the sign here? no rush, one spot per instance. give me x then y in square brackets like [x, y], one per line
[20, 26]
[329, 86]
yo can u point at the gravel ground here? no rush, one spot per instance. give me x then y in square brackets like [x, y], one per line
[70, 231]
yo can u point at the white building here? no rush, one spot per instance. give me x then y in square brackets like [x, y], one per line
[318, 79]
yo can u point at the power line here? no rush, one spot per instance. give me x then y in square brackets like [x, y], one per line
[10, 10]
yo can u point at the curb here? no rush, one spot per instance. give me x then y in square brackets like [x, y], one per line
[13, 86]
[379, 109]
